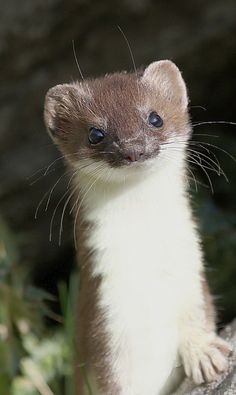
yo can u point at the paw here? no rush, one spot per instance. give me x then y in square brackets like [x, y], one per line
[205, 357]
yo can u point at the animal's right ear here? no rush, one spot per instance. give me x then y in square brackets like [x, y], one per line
[59, 104]
[166, 78]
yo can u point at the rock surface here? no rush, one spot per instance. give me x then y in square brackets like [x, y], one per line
[227, 382]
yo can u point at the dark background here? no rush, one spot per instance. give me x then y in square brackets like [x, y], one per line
[36, 53]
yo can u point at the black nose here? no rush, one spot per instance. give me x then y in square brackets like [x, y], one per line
[133, 154]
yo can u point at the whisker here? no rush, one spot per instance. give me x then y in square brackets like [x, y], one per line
[210, 153]
[193, 177]
[65, 205]
[197, 143]
[195, 153]
[187, 168]
[203, 167]
[54, 213]
[208, 159]
[218, 148]
[76, 60]
[107, 152]
[50, 193]
[201, 158]
[67, 202]
[203, 162]
[214, 122]
[39, 178]
[203, 108]
[204, 170]
[57, 159]
[48, 167]
[63, 213]
[77, 212]
[54, 186]
[95, 171]
[129, 47]
[71, 178]
[36, 172]
[201, 144]
[131, 55]
[221, 171]
[39, 205]
[205, 134]
[191, 158]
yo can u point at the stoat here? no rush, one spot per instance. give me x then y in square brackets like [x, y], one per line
[144, 308]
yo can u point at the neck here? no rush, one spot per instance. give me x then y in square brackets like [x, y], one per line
[164, 182]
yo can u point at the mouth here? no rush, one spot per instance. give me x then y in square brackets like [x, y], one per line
[139, 166]
[119, 169]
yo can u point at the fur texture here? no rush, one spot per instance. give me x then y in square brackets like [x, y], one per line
[144, 308]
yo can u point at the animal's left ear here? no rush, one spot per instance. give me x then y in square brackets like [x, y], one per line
[166, 78]
[59, 100]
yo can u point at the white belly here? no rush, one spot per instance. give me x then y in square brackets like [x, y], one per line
[140, 302]
[148, 258]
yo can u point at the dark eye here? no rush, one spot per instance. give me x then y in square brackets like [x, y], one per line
[155, 120]
[95, 135]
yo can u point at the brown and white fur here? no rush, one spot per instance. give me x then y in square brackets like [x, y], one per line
[144, 306]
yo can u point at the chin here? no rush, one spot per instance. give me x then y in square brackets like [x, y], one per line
[135, 171]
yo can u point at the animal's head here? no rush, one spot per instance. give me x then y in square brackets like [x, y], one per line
[123, 121]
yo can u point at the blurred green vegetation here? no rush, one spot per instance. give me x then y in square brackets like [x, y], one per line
[35, 358]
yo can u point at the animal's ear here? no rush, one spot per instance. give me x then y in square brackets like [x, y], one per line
[59, 104]
[165, 77]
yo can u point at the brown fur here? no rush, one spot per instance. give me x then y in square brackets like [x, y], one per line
[119, 104]
[91, 336]
[209, 305]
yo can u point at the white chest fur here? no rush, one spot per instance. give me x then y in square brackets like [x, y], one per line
[148, 257]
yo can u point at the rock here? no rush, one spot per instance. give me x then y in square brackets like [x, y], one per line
[226, 385]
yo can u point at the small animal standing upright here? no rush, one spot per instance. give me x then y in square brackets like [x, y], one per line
[144, 304]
